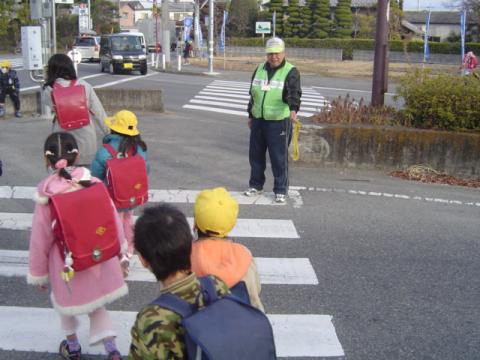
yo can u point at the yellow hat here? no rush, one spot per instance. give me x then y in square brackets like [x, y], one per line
[123, 122]
[215, 212]
[275, 45]
[5, 64]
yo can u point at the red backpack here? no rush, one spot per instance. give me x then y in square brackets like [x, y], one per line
[70, 103]
[84, 224]
[127, 179]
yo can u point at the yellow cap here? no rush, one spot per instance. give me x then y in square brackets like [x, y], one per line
[215, 212]
[5, 64]
[275, 45]
[123, 122]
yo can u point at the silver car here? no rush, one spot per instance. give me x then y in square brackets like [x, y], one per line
[89, 47]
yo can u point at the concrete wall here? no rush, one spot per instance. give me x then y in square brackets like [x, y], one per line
[113, 99]
[324, 54]
[391, 148]
[412, 57]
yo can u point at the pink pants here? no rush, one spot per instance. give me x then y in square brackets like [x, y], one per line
[127, 221]
[101, 326]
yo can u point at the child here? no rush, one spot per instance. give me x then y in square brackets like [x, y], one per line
[9, 85]
[215, 215]
[163, 240]
[60, 71]
[123, 137]
[89, 290]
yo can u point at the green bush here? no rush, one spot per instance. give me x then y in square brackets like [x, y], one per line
[447, 102]
[348, 45]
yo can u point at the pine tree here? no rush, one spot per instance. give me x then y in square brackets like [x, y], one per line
[277, 6]
[306, 14]
[242, 17]
[343, 19]
[294, 22]
[321, 23]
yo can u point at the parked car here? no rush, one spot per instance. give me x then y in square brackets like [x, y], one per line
[123, 52]
[89, 47]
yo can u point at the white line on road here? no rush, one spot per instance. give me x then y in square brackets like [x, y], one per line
[251, 228]
[38, 330]
[351, 90]
[279, 271]
[124, 80]
[233, 112]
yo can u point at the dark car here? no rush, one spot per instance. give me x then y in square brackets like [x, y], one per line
[123, 52]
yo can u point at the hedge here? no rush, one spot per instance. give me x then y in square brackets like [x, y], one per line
[348, 45]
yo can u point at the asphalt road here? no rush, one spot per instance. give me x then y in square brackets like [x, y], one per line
[396, 261]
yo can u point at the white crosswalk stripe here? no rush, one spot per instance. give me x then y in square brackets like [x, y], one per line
[224, 96]
[37, 330]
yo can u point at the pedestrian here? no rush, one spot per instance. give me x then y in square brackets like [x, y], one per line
[60, 70]
[9, 85]
[215, 215]
[186, 52]
[470, 63]
[275, 93]
[163, 239]
[89, 290]
[125, 139]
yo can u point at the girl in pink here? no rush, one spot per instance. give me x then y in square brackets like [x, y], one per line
[89, 290]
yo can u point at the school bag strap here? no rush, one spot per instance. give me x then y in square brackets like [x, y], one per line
[113, 153]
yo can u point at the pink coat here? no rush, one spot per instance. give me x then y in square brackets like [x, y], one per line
[89, 289]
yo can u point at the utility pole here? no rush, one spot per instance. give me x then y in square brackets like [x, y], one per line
[165, 30]
[380, 65]
[210, 37]
[54, 28]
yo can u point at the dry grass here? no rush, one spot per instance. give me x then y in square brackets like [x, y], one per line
[348, 69]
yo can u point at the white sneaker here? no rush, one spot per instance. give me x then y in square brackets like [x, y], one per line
[252, 192]
[280, 198]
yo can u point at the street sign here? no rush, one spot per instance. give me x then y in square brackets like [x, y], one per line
[83, 24]
[262, 27]
[75, 55]
[64, 2]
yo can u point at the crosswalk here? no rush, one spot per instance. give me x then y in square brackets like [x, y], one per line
[36, 328]
[231, 97]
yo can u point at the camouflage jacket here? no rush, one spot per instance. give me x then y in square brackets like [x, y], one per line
[157, 333]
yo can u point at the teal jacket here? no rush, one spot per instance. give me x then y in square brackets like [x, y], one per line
[98, 168]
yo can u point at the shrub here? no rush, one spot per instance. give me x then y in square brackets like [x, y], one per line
[447, 102]
[347, 111]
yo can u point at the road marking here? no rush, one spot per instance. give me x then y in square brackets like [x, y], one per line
[170, 196]
[388, 195]
[82, 78]
[351, 90]
[233, 112]
[38, 330]
[124, 80]
[251, 228]
[279, 271]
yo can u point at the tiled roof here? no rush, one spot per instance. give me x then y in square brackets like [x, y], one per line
[437, 17]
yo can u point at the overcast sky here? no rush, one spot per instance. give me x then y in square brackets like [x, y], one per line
[434, 4]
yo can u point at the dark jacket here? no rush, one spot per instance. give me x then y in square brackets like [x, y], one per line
[9, 81]
[292, 91]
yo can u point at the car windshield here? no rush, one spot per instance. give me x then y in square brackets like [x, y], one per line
[126, 43]
[85, 42]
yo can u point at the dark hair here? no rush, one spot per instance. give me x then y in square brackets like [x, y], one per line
[62, 145]
[130, 142]
[164, 239]
[59, 66]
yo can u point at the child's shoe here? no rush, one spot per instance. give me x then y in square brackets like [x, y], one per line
[66, 354]
[18, 114]
[114, 355]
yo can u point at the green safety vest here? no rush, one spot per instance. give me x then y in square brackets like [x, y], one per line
[269, 104]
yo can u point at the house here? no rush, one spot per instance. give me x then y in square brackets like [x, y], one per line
[443, 24]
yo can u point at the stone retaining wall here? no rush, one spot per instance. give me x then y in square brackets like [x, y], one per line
[391, 148]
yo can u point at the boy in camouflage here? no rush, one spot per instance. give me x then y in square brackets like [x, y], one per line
[163, 240]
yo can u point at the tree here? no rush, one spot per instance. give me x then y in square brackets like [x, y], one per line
[65, 24]
[6, 10]
[343, 19]
[306, 15]
[366, 26]
[293, 25]
[277, 7]
[394, 24]
[321, 23]
[472, 7]
[104, 16]
[242, 17]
